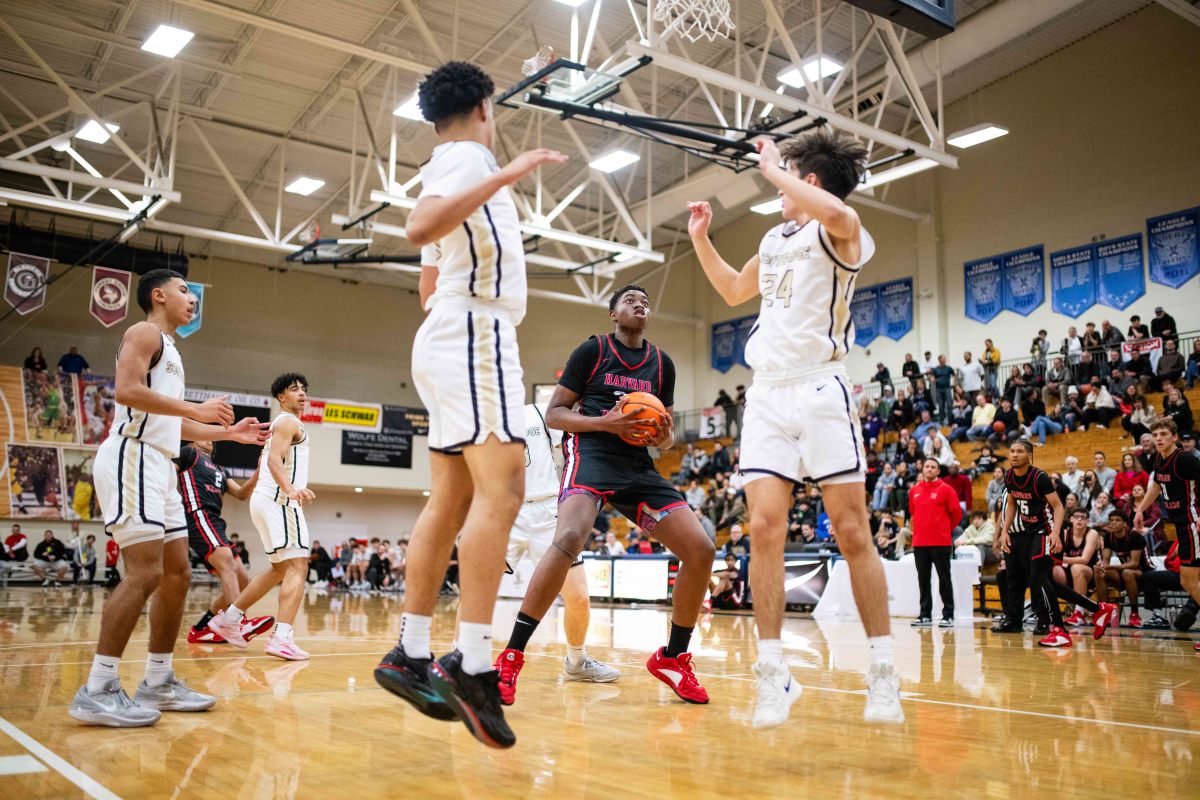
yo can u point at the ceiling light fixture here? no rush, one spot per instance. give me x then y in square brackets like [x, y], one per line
[167, 41]
[617, 159]
[304, 186]
[769, 207]
[977, 134]
[895, 173]
[93, 131]
[410, 109]
[814, 70]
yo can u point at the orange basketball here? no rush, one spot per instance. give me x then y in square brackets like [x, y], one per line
[645, 406]
[998, 426]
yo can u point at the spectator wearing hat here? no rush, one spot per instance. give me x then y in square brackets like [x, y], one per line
[1163, 326]
[883, 375]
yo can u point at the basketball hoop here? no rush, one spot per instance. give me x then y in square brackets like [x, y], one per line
[536, 63]
[695, 19]
[311, 233]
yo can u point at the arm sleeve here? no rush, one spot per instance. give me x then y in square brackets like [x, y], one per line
[457, 169]
[667, 395]
[580, 365]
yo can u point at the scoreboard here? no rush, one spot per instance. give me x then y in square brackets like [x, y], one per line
[930, 18]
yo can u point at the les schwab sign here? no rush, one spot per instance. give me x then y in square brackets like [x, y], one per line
[344, 414]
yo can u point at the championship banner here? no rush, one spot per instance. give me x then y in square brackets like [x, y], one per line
[896, 308]
[1073, 280]
[25, 284]
[864, 310]
[981, 289]
[745, 327]
[1149, 347]
[1024, 279]
[723, 342]
[110, 295]
[1120, 273]
[1174, 254]
[197, 289]
[343, 414]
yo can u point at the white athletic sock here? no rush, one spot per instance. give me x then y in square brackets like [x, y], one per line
[414, 635]
[158, 668]
[104, 669]
[575, 655]
[881, 649]
[770, 651]
[234, 614]
[284, 631]
[475, 644]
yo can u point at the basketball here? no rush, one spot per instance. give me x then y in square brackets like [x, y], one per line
[998, 426]
[646, 406]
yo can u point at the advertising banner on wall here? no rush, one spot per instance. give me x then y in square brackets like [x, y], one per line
[1073, 280]
[343, 414]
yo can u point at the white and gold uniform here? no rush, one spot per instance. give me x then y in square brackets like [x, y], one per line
[279, 519]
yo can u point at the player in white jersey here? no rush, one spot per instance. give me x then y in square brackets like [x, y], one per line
[468, 373]
[277, 509]
[143, 512]
[799, 422]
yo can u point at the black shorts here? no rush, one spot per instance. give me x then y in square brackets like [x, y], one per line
[1187, 534]
[632, 487]
[206, 533]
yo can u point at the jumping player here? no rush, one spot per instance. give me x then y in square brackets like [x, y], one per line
[799, 422]
[601, 468]
[277, 509]
[1174, 479]
[139, 497]
[467, 370]
[1029, 536]
[203, 484]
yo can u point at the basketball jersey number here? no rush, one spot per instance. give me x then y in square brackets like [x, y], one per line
[781, 291]
[1162, 491]
[1023, 507]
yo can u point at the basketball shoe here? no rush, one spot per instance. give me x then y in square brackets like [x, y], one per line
[776, 691]
[205, 636]
[677, 673]
[286, 649]
[1106, 616]
[1075, 620]
[173, 695]
[883, 694]
[509, 664]
[253, 626]
[588, 669]
[408, 679]
[1135, 620]
[1057, 637]
[111, 707]
[228, 630]
[474, 699]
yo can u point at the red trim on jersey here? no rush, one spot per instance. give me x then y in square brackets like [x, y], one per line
[599, 357]
[658, 353]
[645, 358]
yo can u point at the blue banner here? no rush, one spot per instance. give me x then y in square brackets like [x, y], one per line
[1024, 279]
[896, 308]
[724, 340]
[1120, 272]
[1174, 253]
[1073, 280]
[745, 326]
[981, 289]
[864, 309]
[196, 289]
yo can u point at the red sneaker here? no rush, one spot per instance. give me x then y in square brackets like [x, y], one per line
[205, 636]
[253, 626]
[1197, 647]
[1075, 620]
[1135, 621]
[509, 664]
[1103, 618]
[677, 673]
[1056, 638]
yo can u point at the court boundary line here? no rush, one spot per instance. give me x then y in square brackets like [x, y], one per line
[90, 786]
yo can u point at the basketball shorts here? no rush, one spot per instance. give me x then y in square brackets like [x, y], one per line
[283, 529]
[1187, 533]
[802, 430]
[533, 530]
[632, 487]
[138, 489]
[467, 370]
[206, 533]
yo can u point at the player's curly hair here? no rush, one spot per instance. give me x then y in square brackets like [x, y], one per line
[616, 296]
[837, 158]
[453, 89]
[281, 384]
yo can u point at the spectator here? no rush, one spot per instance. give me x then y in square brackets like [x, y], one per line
[884, 407]
[935, 512]
[911, 369]
[239, 549]
[961, 484]
[1102, 507]
[882, 375]
[707, 524]
[1131, 563]
[922, 398]
[1072, 475]
[726, 586]
[985, 462]
[719, 462]
[981, 533]
[50, 554]
[1038, 351]
[1072, 347]
[1032, 407]
[320, 563]
[738, 544]
[729, 406]
[1085, 370]
[943, 381]
[735, 509]
[740, 399]
[911, 455]
[633, 546]
[35, 362]
[1151, 517]
[940, 452]
[112, 552]
[960, 420]
[85, 559]
[1176, 407]
[883, 487]
[981, 418]
[1163, 326]
[614, 548]
[937, 440]
[872, 428]
[1088, 488]
[925, 426]
[904, 481]
[72, 363]
[1136, 329]
[1014, 386]
[1140, 417]
[1091, 339]
[1193, 364]
[970, 376]
[1104, 473]
[990, 358]
[1098, 407]
[16, 545]
[808, 532]
[1170, 366]
[1111, 337]
[1045, 423]
[886, 539]
[902, 411]
[1058, 379]
[1131, 475]
[696, 494]
[928, 363]
[1005, 426]
[699, 463]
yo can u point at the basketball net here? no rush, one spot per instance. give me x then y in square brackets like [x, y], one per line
[536, 63]
[695, 19]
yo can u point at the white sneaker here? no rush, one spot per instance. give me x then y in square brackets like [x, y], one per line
[589, 669]
[883, 695]
[285, 649]
[777, 690]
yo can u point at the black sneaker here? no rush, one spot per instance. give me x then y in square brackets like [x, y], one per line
[1186, 617]
[1042, 629]
[922, 622]
[475, 699]
[1157, 622]
[408, 679]
[1004, 626]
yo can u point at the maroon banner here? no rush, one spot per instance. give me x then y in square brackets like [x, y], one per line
[25, 285]
[110, 295]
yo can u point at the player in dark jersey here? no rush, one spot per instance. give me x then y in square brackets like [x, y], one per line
[601, 468]
[1175, 481]
[1073, 570]
[203, 485]
[1030, 536]
[1130, 550]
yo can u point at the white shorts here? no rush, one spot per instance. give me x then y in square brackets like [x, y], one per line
[467, 370]
[533, 530]
[283, 529]
[802, 430]
[138, 489]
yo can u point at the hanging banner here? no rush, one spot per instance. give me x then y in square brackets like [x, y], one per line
[724, 341]
[744, 327]
[864, 309]
[896, 308]
[981, 289]
[25, 284]
[1073, 280]
[110, 295]
[197, 289]
[1120, 273]
[1024, 279]
[1174, 251]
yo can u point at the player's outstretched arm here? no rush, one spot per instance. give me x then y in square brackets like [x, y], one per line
[734, 287]
[242, 491]
[839, 219]
[245, 431]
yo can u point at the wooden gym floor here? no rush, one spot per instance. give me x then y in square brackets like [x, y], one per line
[988, 716]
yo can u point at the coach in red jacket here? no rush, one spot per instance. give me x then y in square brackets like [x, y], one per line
[935, 511]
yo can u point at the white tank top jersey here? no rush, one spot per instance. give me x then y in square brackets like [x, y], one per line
[295, 465]
[804, 323]
[160, 431]
[482, 260]
[541, 474]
